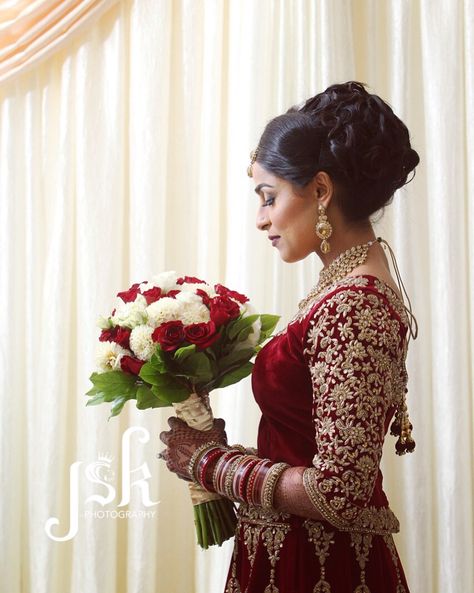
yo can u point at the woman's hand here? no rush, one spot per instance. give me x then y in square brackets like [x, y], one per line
[183, 440]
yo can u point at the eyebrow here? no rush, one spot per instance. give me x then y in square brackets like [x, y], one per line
[260, 185]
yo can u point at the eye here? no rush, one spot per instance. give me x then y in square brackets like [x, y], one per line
[269, 201]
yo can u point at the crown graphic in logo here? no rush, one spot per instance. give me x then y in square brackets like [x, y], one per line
[105, 457]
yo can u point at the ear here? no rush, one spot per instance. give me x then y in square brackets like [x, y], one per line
[323, 188]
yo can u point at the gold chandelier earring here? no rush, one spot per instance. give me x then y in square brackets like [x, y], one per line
[323, 229]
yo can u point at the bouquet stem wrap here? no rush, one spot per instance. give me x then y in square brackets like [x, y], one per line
[214, 515]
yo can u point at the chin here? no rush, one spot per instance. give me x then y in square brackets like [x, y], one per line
[291, 258]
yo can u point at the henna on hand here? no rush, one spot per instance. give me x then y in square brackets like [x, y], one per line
[183, 440]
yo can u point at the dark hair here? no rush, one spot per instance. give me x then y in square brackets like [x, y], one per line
[352, 135]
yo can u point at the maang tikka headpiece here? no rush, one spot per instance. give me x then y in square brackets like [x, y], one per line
[253, 158]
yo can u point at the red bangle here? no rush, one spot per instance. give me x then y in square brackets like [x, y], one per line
[222, 465]
[242, 485]
[260, 473]
[204, 463]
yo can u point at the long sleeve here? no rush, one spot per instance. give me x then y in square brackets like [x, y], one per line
[354, 348]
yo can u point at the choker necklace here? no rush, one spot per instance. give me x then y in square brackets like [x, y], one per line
[344, 263]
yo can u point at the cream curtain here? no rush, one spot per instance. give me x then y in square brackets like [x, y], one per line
[32, 29]
[123, 154]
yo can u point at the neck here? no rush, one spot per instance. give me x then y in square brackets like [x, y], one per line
[344, 240]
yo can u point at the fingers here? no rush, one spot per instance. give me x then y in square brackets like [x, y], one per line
[219, 423]
[164, 435]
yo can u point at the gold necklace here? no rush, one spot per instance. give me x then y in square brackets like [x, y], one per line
[344, 263]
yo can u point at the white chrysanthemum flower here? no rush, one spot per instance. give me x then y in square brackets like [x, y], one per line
[165, 309]
[108, 356]
[194, 313]
[141, 342]
[188, 297]
[131, 314]
[104, 322]
[166, 281]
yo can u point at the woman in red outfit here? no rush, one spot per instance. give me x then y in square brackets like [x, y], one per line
[313, 516]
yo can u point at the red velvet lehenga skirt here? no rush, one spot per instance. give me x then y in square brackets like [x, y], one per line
[282, 553]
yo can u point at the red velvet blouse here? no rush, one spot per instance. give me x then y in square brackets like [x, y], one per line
[327, 386]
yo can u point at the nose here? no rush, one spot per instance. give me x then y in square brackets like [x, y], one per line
[262, 219]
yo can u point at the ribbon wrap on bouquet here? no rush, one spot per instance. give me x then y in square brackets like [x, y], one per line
[196, 411]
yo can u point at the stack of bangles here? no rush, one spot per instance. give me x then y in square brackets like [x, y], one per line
[236, 475]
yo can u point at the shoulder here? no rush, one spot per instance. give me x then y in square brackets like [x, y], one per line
[357, 307]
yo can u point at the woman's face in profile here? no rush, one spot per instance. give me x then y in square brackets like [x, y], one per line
[288, 218]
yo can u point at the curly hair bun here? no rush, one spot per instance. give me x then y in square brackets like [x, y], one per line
[351, 134]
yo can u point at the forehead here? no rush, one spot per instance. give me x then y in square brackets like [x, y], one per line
[262, 176]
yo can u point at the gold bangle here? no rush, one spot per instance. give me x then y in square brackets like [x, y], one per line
[269, 484]
[198, 453]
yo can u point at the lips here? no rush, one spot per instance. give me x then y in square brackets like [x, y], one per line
[271, 237]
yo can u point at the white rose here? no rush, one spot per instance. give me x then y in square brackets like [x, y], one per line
[165, 309]
[166, 281]
[247, 309]
[131, 314]
[108, 356]
[141, 342]
[194, 313]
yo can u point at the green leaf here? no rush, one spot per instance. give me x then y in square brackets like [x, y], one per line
[235, 358]
[97, 399]
[170, 390]
[239, 324]
[182, 353]
[236, 375]
[93, 391]
[197, 367]
[244, 334]
[152, 369]
[159, 359]
[113, 384]
[118, 404]
[147, 399]
[269, 323]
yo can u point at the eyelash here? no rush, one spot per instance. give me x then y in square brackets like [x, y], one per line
[269, 201]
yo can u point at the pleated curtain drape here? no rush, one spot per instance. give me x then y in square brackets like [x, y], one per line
[123, 153]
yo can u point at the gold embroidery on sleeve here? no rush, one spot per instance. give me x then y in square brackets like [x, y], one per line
[356, 360]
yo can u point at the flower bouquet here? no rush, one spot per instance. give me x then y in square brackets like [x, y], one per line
[168, 342]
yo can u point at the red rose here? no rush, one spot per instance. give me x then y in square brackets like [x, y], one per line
[169, 335]
[120, 335]
[172, 293]
[189, 280]
[206, 299]
[224, 291]
[201, 334]
[129, 295]
[223, 309]
[152, 294]
[131, 365]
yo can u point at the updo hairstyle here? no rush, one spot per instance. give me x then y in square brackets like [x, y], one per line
[352, 135]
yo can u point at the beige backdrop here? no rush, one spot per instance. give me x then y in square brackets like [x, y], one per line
[124, 154]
